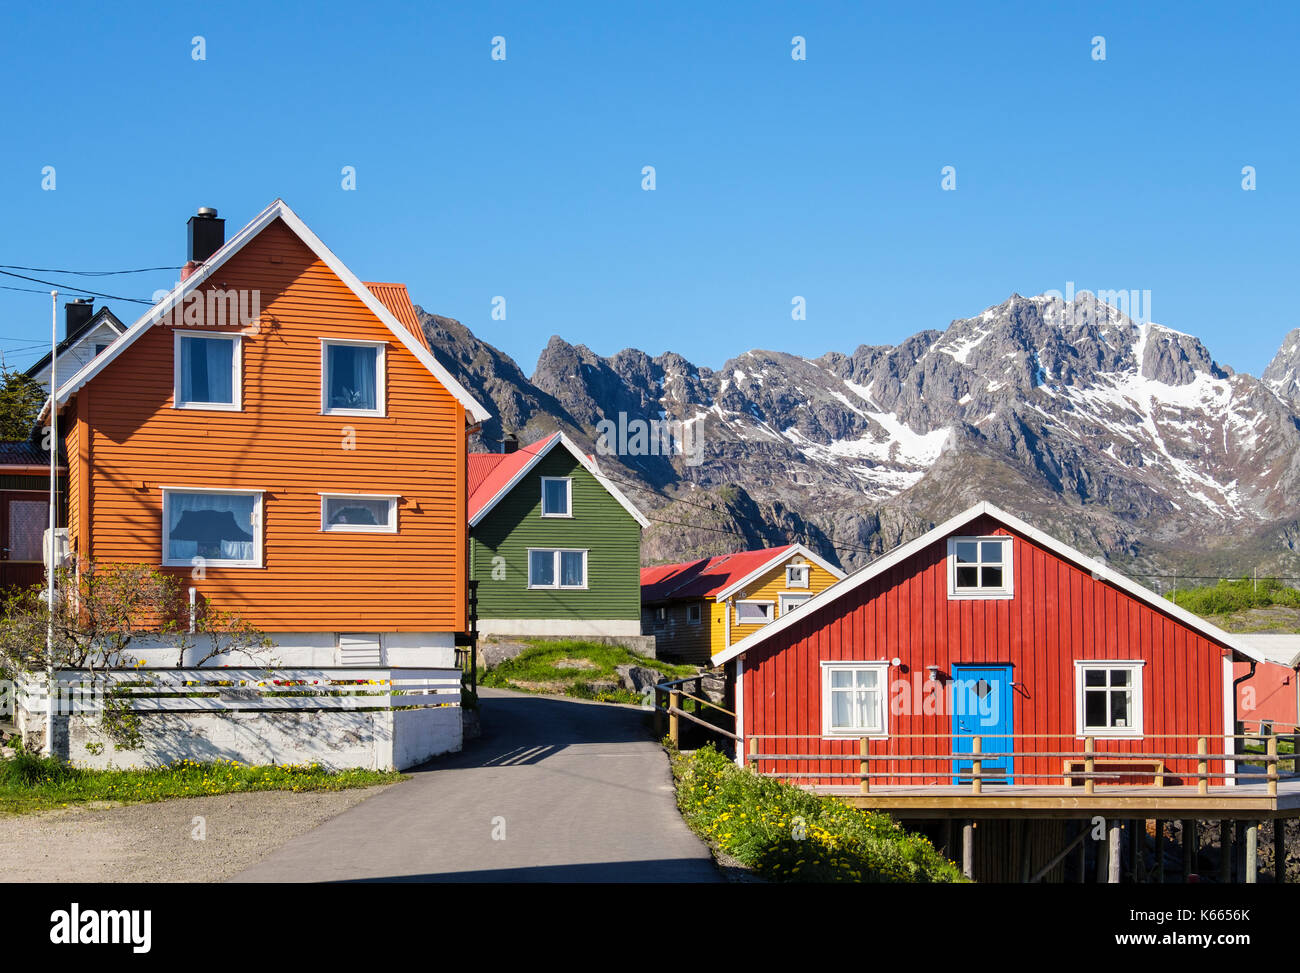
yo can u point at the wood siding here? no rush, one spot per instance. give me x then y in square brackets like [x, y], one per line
[599, 525]
[281, 444]
[1059, 614]
[683, 641]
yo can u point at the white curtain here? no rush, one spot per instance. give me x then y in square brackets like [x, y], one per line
[207, 369]
[210, 525]
[352, 377]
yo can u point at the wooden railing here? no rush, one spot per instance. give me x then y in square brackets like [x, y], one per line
[670, 700]
[153, 690]
[1098, 765]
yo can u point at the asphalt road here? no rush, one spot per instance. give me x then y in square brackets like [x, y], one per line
[554, 791]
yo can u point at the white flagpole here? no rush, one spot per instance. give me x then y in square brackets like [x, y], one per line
[50, 547]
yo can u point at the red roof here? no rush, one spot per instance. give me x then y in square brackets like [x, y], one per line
[706, 577]
[398, 301]
[489, 473]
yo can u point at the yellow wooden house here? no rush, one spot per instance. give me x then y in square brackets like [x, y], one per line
[698, 608]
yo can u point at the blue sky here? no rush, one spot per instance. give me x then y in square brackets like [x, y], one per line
[774, 178]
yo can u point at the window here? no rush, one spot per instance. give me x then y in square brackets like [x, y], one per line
[99, 349]
[358, 513]
[221, 527]
[796, 576]
[790, 602]
[1109, 698]
[352, 378]
[661, 617]
[557, 569]
[693, 614]
[207, 371]
[557, 496]
[979, 567]
[853, 698]
[754, 612]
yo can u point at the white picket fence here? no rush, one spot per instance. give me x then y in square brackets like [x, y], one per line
[381, 718]
[145, 690]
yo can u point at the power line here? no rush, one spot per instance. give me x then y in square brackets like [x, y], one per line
[79, 290]
[86, 273]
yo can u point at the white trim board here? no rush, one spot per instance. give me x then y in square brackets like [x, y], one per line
[773, 563]
[277, 210]
[588, 465]
[904, 551]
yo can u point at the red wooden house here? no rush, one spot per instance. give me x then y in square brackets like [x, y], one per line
[986, 634]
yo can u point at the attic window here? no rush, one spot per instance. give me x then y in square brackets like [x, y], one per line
[207, 371]
[352, 377]
[557, 496]
[979, 567]
[796, 576]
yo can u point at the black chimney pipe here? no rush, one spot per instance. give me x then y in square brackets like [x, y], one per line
[207, 234]
[510, 443]
[76, 313]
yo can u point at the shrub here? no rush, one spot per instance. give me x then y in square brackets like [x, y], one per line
[1227, 597]
[792, 835]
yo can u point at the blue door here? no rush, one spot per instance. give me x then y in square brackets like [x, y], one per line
[982, 707]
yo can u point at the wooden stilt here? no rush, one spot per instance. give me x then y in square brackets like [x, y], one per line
[1239, 852]
[1113, 866]
[1158, 875]
[1190, 841]
[1026, 850]
[968, 849]
[1252, 853]
[1083, 854]
[1135, 844]
[1279, 850]
[1225, 851]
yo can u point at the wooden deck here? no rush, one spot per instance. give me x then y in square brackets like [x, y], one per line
[1246, 801]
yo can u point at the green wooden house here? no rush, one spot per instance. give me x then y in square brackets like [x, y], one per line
[554, 546]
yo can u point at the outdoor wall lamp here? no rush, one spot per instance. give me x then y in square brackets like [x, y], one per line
[936, 674]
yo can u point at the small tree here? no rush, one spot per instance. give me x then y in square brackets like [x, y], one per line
[103, 608]
[21, 398]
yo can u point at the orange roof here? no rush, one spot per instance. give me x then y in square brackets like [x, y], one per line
[490, 473]
[706, 577]
[398, 301]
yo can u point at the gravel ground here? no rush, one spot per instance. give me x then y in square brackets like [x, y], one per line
[157, 842]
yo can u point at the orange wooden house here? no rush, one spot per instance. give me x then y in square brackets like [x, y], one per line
[281, 435]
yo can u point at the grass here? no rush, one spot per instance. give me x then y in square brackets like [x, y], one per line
[1229, 597]
[548, 667]
[33, 783]
[786, 834]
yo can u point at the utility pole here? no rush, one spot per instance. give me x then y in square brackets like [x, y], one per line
[51, 544]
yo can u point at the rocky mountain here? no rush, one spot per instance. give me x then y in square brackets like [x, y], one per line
[1124, 438]
[1283, 372]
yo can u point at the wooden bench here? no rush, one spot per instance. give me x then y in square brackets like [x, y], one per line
[1104, 769]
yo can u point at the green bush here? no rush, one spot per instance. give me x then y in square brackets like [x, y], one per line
[789, 834]
[1227, 597]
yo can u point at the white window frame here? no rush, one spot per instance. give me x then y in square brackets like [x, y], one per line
[236, 380]
[390, 528]
[798, 599]
[699, 614]
[1007, 590]
[1135, 667]
[556, 552]
[568, 497]
[807, 575]
[659, 617]
[381, 377]
[771, 611]
[829, 731]
[257, 527]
